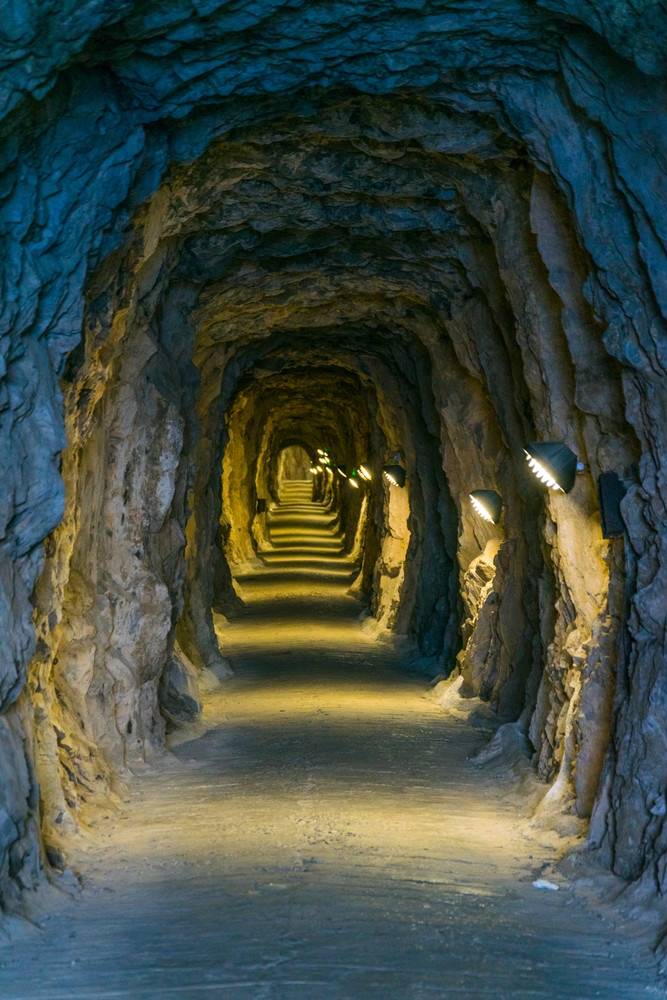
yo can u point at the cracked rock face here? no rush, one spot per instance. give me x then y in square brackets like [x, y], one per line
[386, 230]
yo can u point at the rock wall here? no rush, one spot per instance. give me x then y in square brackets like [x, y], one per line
[111, 591]
[460, 217]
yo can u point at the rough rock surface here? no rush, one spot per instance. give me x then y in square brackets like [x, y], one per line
[454, 212]
[180, 698]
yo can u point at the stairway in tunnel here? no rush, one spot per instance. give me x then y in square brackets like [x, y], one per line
[322, 833]
[306, 550]
[303, 534]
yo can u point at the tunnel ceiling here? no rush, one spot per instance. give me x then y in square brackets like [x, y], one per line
[422, 227]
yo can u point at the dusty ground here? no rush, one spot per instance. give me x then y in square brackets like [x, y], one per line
[324, 834]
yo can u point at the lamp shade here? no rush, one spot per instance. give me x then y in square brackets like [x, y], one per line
[488, 504]
[395, 474]
[553, 463]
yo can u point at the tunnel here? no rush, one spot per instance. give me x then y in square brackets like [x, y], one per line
[336, 333]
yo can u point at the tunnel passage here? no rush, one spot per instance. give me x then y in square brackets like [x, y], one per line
[302, 554]
[293, 462]
[436, 241]
[358, 422]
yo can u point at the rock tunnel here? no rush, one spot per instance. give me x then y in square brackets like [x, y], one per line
[414, 233]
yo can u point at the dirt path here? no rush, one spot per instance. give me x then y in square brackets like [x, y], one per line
[325, 837]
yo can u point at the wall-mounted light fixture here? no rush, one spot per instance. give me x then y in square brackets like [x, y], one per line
[610, 493]
[353, 480]
[553, 463]
[314, 470]
[342, 471]
[365, 473]
[395, 474]
[488, 504]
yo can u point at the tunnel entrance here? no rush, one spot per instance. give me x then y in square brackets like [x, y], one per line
[294, 463]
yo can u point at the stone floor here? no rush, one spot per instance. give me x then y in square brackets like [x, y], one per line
[323, 834]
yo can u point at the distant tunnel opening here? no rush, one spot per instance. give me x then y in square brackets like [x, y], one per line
[345, 423]
[294, 462]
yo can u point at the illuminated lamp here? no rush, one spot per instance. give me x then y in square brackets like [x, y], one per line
[488, 504]
[553, 463]
[395, 474]
[320, 467]
[313, 470]
[364, 473]
[353, 479]
[342, 471]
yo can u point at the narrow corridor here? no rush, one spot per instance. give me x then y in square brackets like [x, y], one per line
[323, 834]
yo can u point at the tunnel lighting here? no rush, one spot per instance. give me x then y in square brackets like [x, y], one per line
[364, 473]
[313, 470]
[342, 471]
[353, 481]
[320, 467]
[488, 504]
[395, 474]
[553, 463]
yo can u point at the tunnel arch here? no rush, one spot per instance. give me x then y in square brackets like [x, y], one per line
[293, 462]
[426, 215]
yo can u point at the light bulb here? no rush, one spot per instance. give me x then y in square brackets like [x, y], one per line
[481, 509]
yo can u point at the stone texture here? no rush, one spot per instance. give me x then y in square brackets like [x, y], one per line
[180, 700]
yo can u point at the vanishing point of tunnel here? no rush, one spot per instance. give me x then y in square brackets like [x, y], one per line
[333, 500]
